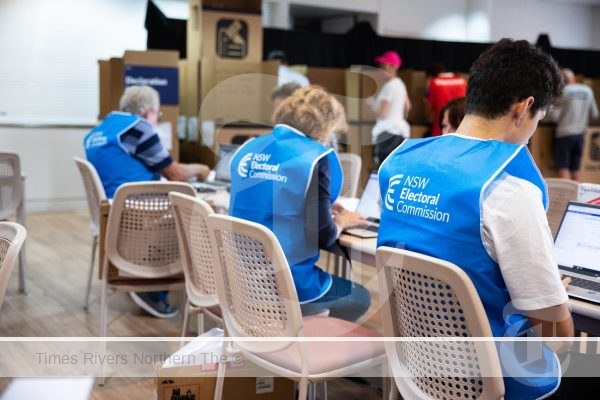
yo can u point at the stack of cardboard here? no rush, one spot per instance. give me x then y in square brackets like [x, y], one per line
[156, 68]
[225, 78]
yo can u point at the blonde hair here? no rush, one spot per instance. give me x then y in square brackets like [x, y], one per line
[313, 112]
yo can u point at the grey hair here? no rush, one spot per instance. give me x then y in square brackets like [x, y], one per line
[139, 99]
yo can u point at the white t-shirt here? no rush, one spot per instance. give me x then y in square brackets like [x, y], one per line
[286, 75]
[515, 233]
[394, 92]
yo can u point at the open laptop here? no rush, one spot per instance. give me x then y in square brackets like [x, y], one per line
[369, 207]
[222, 172]
[577, 249]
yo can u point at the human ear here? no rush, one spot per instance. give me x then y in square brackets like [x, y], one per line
[522, 109]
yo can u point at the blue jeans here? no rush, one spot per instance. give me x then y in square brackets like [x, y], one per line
[345, 300]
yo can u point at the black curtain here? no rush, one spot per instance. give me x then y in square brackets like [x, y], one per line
[165, 33]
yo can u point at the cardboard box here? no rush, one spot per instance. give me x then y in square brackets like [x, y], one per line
[236, 91]
[249, 6]
[540, 147]
[197, 388]
[332, 79]
[243, 381]
[194, 55]
[237, 133]
[232, 36]
[415, 82]
[361, 83]
[590, 163]
[234, 31]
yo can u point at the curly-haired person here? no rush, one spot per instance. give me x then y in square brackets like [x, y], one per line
[489, 214]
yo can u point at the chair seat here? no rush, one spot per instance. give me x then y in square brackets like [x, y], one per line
[325, 357]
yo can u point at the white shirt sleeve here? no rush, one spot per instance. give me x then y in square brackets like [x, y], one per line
[515, 233]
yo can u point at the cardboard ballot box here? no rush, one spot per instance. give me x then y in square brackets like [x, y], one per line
[221, 31]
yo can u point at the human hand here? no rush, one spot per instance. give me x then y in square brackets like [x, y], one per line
[348, 219]
[565, 281]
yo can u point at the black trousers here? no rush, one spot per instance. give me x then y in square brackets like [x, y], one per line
[386, 143]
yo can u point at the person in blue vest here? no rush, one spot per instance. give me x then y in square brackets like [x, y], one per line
[125, 148]
[288, 181]
[476, 198]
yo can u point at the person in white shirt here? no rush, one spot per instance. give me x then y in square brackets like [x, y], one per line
[572, 116]
[390, 107]
[489, 216]
[284, 74]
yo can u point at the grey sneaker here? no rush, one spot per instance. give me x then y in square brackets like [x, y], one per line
[159, 309]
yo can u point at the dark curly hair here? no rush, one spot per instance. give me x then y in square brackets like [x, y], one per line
[509, 72]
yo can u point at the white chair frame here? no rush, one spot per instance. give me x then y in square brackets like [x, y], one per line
[12, 177]
[95, 194]
[12, 237]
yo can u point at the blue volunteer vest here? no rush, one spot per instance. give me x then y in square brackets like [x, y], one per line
[432, 191]
[114, 164]
[270, 176]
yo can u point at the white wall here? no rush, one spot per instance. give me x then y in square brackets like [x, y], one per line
[569, 25]
[430, 19]
[595, 35]
[50, 49]
[53, 182]
[49, 74]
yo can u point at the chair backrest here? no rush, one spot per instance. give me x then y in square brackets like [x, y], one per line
[94, 190]
[12, 237]
[11, 184]
[424, 297]
[254, 284]
[141, 237]
[198, 259]
[560, 192]
[351, 165]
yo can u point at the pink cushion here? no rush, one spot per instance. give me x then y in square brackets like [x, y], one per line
[328, 356]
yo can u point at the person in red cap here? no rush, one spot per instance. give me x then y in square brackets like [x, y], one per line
[390, 106]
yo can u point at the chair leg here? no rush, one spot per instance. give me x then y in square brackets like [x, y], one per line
[393, 389]
[200, 322]
[86, 303]
[324, 390]
[312, 391]
[22, 260]
[186, 319]
[303, 388]
[103, 325]
[221, 374]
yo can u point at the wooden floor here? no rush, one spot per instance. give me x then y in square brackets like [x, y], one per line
[58, 254]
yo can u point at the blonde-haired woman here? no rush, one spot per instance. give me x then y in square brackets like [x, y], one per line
[287, 181]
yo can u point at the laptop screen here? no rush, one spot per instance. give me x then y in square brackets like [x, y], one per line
[369, 205]
[577, 243]
[222, 170]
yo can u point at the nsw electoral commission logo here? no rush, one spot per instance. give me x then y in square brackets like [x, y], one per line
[394, 181]
[243, 165]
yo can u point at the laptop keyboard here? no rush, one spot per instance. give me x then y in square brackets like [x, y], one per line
[584, 283]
